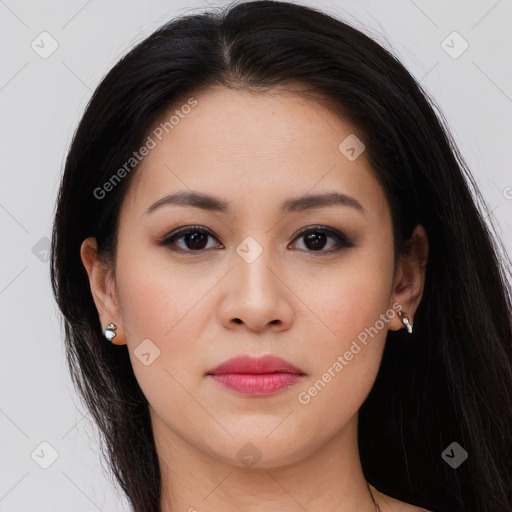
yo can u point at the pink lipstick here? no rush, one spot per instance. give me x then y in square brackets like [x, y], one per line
[258, 376]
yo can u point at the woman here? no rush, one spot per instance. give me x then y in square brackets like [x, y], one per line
[279, 292]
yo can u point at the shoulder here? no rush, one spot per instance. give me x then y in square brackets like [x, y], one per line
[390, 504]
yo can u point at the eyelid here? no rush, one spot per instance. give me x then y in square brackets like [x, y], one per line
[339, 236]
[343, 241]
[175, 234]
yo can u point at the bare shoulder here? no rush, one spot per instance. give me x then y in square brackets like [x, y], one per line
[390, 504]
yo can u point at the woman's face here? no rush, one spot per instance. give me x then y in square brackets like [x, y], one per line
[247, 283]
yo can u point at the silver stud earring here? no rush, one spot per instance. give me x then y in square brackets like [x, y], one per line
[406, 322]
[109, 332]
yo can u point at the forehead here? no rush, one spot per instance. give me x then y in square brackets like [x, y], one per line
[253, 149]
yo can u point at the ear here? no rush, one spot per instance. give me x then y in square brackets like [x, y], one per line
[409, 280]
[102, 283]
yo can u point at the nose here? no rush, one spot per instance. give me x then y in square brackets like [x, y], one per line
[257, 296]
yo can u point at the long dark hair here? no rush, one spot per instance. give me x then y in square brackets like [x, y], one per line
[451, 381]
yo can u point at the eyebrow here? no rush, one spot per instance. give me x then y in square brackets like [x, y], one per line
[215, 204]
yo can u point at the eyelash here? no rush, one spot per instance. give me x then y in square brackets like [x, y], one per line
[340, 238]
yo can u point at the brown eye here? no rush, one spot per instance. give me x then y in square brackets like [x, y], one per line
[315, 239]
[321, 239]
[195, 239]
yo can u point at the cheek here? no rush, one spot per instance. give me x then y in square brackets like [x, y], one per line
[164, 304]
[155, 294]
[160, 304]
[346, 356]
[351, 297]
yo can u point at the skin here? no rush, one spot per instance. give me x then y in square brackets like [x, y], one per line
[304, 305]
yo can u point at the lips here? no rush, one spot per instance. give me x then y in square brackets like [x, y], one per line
[255, 365]
[258, 376]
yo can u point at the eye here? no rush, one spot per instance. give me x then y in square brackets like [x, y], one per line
[316, 238]
[194, 239]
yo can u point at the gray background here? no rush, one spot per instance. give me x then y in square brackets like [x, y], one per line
[41, 101]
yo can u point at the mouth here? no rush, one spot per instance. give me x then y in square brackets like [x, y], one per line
[258, 376]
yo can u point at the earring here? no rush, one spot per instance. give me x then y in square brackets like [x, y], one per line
[109, 332]
[406, 322]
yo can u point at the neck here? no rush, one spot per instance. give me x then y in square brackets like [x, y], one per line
[328, 477]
